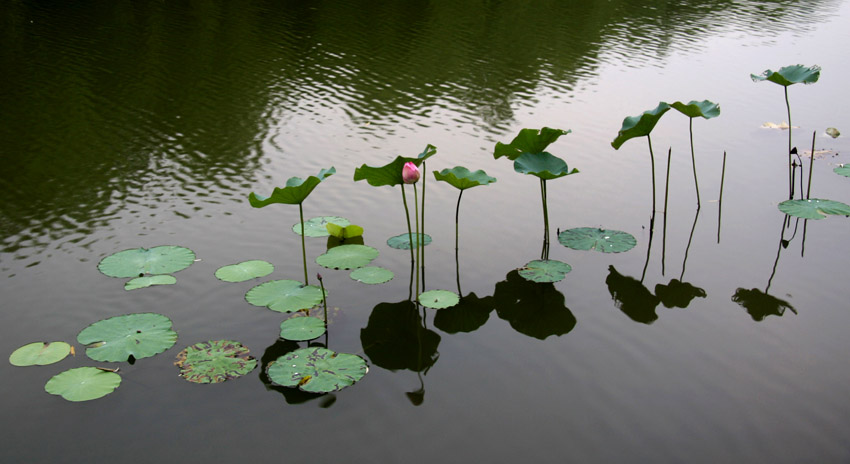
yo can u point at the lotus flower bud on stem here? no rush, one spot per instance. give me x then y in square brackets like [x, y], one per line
[410, 173]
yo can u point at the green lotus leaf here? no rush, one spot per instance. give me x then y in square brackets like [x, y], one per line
[214, 361]
[549, 270]
[390, 174]
[119, 338]
[833, 132]
[438, 299]
[347, 257]
[148, 281]
[246, 270]
[814, 208]
[344, 232]
[83, 384]
[843, 170]
[591, 238]
[302, 328]
[790, 75]
[137, 262]
[402, 242]
[372, 275]
[40, 354]
[295, 192]
[317, 226]
[704, 109]
[461, 178]
[528, 141]
[543, 165]
[285, 296]
[317, 370]
[638, 126]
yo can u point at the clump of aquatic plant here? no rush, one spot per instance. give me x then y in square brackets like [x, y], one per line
[214, 361]
[294, 193]
[693, 109]
[787, 76]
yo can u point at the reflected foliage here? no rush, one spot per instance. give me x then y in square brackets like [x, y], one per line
[533, 309]
[760, 304]
[678, 294]
[395, 338]
[632, 297]
[467, 316]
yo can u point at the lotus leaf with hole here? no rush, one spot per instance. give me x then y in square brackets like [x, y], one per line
[119, 338]
[347, 257]
[814, 208]
[302, 328]
[40, 354]
[214, 361]
[592, 238]
[295, 191]
[317, 370]
[149, 281]
[390, 174]
[461, 178]
[317, 226]
[543, 165]
[402, 242]
[285, 296]
[372, 275]
[344, 232]
[246, 270]
[528, 141]
[548, 270]
[83, 384]
[438, 299]
[137, 262]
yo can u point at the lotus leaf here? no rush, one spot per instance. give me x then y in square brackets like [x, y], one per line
[285, 296]
[317, 370]
[402, 242]
[466, 316]
[843, 170]
[438, 299]
[591, 238]
[832, 132]
[119, 338]
[693, 109]
[246, 270]
[814, 208]
[372, 275]
[83, 384]
[543, 165]
[549, 270]
[295, 192]
[347, 257]
[528, 141]
[40, 354]
[639, 126]
[790, 75]
[214, 361]
[344, 232]
[137, 262]
[461, 178]
[302, 328]
[390, 174]
[317, 226]
[148, 281]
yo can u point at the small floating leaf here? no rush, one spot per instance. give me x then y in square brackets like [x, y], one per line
[832, 132]
[344, 232]
[402, 242]
[549, 270]
[118, 338]
[317, 370]
[285, 296]
[317, 226]
[147, 281]
[814, 208]
[83, 384]
[295, 191]
[214, 361]
[40, 354]
[246, 270]
[372, 275]
[438, 299]
[347, 257]
[843, 170]
[591, 238]
[137, 262]
[543, 165]
[302, 328]
[789, 75]
[461, 178]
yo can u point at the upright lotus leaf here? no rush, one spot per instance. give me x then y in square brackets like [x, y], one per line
[83, 384]
[678, 294]
[40, 354]
[592, 238]
[317, 370]
[542, 271]
[295, 192]
[467, 316]
[402, 242]
[528, 141]
[543, 165]
[214, 361]
[790, 75]
[119, 338]
[246, 270]
[395, 338]
[149, 281]
[632, 297]
[390, 174]
[438, 299]
[137, 262]
[317, 226]
[302, 328]
[698, 109]
[814, 208]
[532, 309]
[760, 304]
[344, 232]
[347, 257]
[461, 178]
[639, 126]
[843, 170]
[372, 275]
[284, 296]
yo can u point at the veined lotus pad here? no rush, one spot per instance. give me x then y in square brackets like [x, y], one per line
[137, 262]
[591, 238]
[285, 296]
[814, 208]
[347, 257]
[438, 299]
[40, 354]
[118, 338]
[83, 384]
[372, 275]
[214, 361]
[402, 242]
[302, 328]
[549, 270]
[843, 170]
[246, 270]
[317, 370]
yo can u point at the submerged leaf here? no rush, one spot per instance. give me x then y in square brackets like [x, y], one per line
[317, 370]
[438, 299]
[302, 328]
[814, 208]
[528, 141]
[137, 262]
[317, 226]
[246, 270]
[347, 257]
[214, 361]
[543, 165]
[285, 296]
[461, 178]
[641, 125]
[548, 270]
[295, 192]
[83, 384]
[118, 338]
[39, 354]
[148, 281]
[789, 75]
[591, 238]
[402, 242]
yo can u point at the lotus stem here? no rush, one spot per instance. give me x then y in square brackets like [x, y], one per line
[720, 201]
[694, 159]
[652, 161]
[457, 234]
[664, 229]
[325, 303]
[687, 248]
[422, 263]
[407, 216]
[648, 246]
[667, 182]
[416, 214]
[303, 246]
[545, 254]
[790, 173]
[811, 167]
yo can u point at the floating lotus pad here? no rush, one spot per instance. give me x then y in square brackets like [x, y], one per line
[118, 338]
[294, 193]
[814, 208]
[317, 370]
[843, 170]
[402, 242]
[149, 281]
[541, 271]
[214, 361]
[285, 296]
[462, 178]
[372, 275]
[347, 257]
[344, 232]
[137, 262]
[302, 328]
[246, 270]
[591, 238]
[543, 165]
[789, 75]
[317, 226]
[83, 384]
[40, 354]
[438, 299]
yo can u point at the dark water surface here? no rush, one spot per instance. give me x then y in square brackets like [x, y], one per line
[128, 124]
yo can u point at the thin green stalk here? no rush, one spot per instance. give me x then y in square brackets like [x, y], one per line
[790, 173]
[652, 161]
[694, 159]
[324, 300]
[303, 246]
[416, 214]
[545, 253]
[811, 167]
[664, 229]
[457, 220]
[407, 216]
[667, 184]
[422, 264]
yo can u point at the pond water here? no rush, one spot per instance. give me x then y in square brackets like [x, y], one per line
[137, 124]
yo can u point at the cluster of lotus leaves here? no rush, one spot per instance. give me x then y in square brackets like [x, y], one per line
[285, 296]
[40, 354]
[317, 370]
[790, 75]
[527, 151]
[814, 208]
[214, 361]
[119, 338]
[390, 174]
[592, 238]
[295, 192]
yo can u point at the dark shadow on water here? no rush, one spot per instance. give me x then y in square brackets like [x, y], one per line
[395, 338]
[467, 316]
[678, 294]
[632, 297]
[533, 309]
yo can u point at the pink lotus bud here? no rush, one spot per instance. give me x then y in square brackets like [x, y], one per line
[319, 276]
[410, 173]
